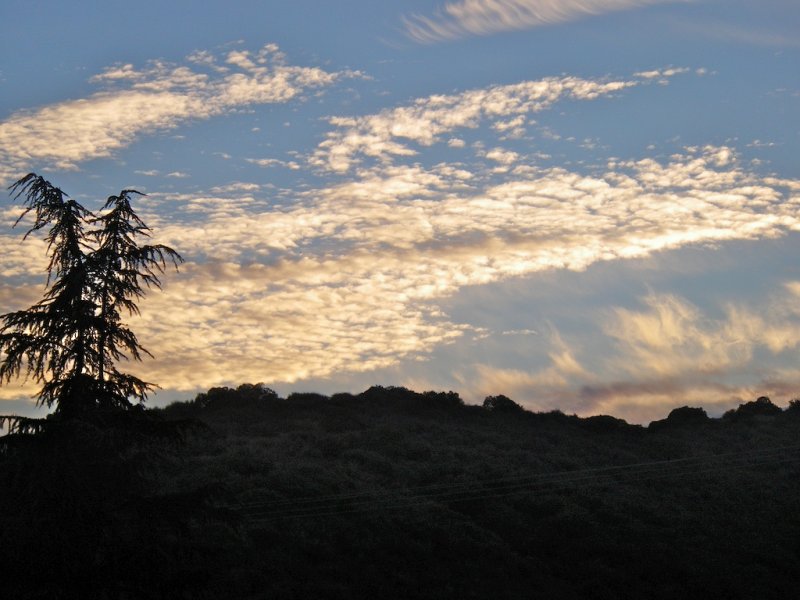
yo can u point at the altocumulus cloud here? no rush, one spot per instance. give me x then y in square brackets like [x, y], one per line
[158, 97]
[349, 279]
[482, 17]
[393, 132]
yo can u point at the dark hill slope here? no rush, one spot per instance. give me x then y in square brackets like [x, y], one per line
[394, 494]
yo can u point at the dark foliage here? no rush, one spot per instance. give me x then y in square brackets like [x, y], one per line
[397, 494]
[682, 417]
[245, 396]
[760, 407]
[607, 424]
[501, 404]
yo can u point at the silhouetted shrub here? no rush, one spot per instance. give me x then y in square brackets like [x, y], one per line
[552, 418]
[761, 406]
[679, 417]
[604, 424]
[247, 395]
[501, 404]
[400, 398]
[306, 398]
[343, 398]
[377, 394]
[442, 399]
[688, 414]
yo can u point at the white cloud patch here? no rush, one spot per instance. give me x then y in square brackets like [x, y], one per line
[483, 17]
[157, 98]
[392, 132]
[236, 186]
[661, 73]
[503, 157]
[274, 162]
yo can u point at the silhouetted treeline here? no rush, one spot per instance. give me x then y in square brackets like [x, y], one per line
[396, 494]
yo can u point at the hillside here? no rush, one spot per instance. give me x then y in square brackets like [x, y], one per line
[395, 494]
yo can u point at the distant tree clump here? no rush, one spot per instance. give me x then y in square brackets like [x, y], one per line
[761, 406]
[247, 395]
[679, 417]
[71, 341]
[501, 403]
[688, 414]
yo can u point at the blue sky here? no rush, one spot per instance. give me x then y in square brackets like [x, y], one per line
[591, 205]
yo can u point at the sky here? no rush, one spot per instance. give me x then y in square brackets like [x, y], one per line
[585, 205]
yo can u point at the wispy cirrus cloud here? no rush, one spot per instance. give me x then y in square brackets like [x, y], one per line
[664, 354]
[159, 97]
[483, 17]
[732, 33]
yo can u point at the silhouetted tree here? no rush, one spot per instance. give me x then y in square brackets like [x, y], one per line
[501, 403]
[122, 270]
[761, 406]
[679, 417]
[71, 340]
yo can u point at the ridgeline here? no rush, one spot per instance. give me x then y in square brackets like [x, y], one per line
[396, 494]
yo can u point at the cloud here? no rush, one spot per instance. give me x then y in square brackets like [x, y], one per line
[157, 98]
[349, 277]
[274, 162]
[661, 73]
[727, 32]
[236, 186]
[542, 389]
[292, 322]
[390, 133]
[21, 260]
[283, 286]
[668, 353]
[672, 350]
[503, 157]
[483, 17]
[672, 338]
